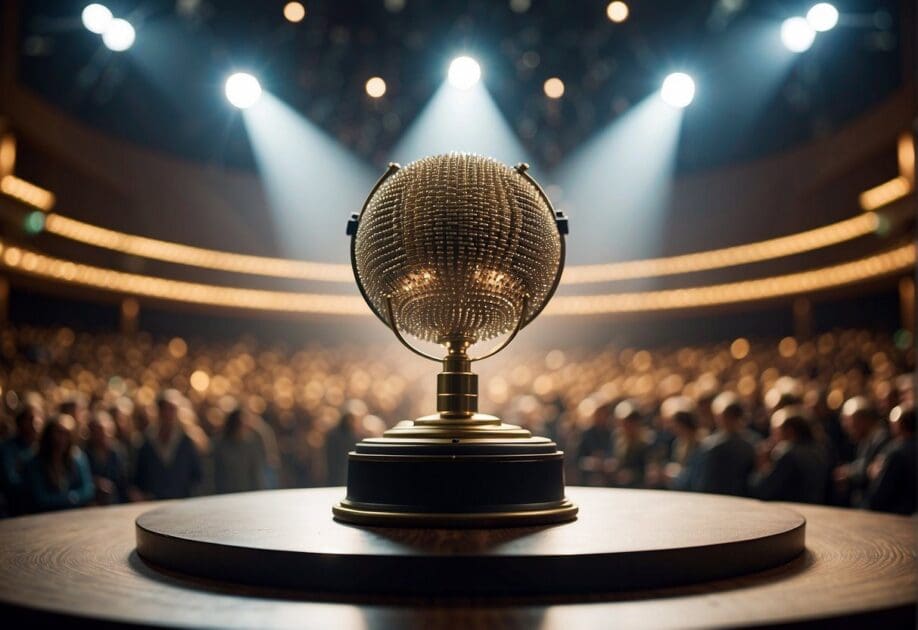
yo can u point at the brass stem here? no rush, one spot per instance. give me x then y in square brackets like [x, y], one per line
[457, 385]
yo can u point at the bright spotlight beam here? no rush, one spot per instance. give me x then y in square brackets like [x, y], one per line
[312, 182]
[464, 72]
[119, 35]
[822, 17]
[96, 18]
[467, 121]
[797, 34]
[242, 90]
[678, 90]
[618, 184]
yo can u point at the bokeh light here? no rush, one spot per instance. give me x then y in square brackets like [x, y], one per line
[375, 87]
[554, 88]
[294, 12]
[617, 11]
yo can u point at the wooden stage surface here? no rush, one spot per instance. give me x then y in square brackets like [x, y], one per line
[82, 566]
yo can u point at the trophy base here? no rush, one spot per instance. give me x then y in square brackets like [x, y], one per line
[475, 472]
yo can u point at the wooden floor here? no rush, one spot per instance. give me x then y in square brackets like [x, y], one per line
[82, 565]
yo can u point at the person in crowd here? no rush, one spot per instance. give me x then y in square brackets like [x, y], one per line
[893, 474]
[267, 443]
[106, 460]
[727, 457]
[681, 418]
[58, 476]
[631, 447]
[15, 455]
[339, 441]
[595, 447]
[869, 434]
[795, 469]
[239, 458]
[168, 463]
[126, 433]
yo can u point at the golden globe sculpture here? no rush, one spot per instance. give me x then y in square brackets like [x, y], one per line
[456, 249]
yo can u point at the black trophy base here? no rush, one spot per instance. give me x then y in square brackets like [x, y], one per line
[468, 480]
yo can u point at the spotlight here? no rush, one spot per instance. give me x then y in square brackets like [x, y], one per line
[822, 17]
[617, 11]
[797, 34]
[242, 90]
[464, 72]
[294, 12]
[96, 18]
[119, 35]
[678, 90]
[376, 87]
[554, 88]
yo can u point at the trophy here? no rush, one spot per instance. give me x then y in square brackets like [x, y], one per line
[456, 249]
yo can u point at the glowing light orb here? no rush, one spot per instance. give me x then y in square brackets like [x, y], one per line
[678, 90]
[822, 17]
[96, 18]
[797, 34]
[464, 72]
[242, 90]
[119, 35]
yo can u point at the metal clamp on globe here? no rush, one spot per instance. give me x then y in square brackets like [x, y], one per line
[456, 249]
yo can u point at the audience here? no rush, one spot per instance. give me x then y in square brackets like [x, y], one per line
[134, 418]
[727, 457]
[794, 468]
[239, 456]
[168, 463]
[58, 476]
[892, 473]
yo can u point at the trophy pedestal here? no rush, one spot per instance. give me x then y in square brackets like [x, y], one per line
[472, 472]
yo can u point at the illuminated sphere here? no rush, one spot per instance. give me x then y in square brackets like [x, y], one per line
[678, 90]
[464, 72]
[822, 17]
[797, 34]
[119, 35]
[617, 11]
[96, 18]
[242, 90]
[457, 242]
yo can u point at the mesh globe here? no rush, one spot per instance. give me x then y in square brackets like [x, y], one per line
[464, 246]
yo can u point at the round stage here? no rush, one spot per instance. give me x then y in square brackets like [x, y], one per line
[82, 566]
[622, 540]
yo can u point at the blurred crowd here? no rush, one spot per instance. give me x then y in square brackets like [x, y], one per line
[102, 418]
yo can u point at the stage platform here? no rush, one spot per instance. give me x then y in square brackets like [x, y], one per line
[633, 558]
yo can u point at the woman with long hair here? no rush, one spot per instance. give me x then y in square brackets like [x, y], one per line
[58, 476]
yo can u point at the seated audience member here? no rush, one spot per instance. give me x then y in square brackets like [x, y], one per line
[239, 460]
[126, 433]
[727, 457]
[168, 464]
[595, 447]
[15, 455]
[58, 476]
[631, 447]
[338, 442]
[682, 460]
[106, 460]
[869, 435]
[893, 474]
[796, 468]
